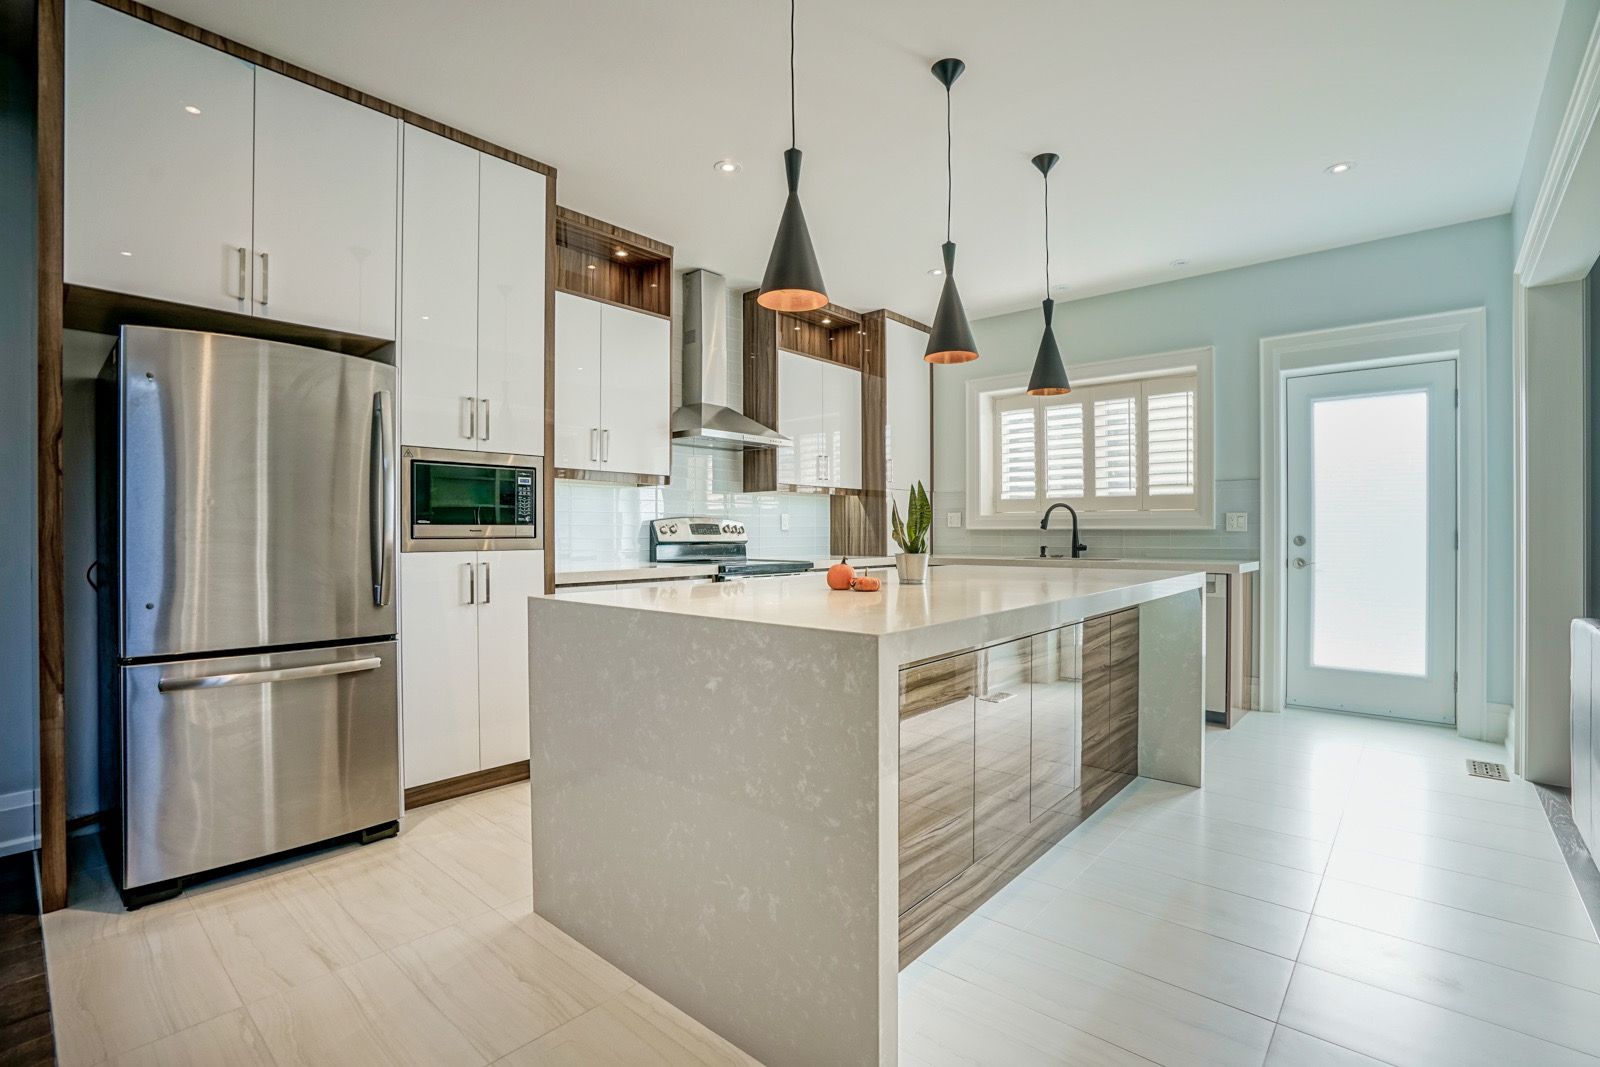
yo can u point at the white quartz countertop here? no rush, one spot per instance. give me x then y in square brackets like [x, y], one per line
[1209, 566]
[952, 595]
[602, 574]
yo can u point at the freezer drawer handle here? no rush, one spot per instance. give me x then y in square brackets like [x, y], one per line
[281, 674]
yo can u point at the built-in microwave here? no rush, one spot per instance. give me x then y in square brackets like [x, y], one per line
[457, 501]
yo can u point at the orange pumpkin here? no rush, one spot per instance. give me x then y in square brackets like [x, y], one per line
[866, 584]
[840, 575]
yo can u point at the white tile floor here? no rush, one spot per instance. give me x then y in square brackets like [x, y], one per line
[1340, 893]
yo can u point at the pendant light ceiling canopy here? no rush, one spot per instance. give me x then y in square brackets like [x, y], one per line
[951, 340]
[1049, 377]
[793, 281]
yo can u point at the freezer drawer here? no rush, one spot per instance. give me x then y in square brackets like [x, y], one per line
[257, 494]
[226, 760]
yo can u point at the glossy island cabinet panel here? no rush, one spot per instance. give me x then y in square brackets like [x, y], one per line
[936, 781]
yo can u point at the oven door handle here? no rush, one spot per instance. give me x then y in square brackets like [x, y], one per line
[380, 489]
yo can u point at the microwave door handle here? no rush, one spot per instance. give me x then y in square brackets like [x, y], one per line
[381, 501]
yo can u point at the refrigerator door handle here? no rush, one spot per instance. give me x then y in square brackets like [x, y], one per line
[267, 677]
[381, 490]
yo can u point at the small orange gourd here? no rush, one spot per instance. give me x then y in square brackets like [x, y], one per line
[866, 584]
[840, 575]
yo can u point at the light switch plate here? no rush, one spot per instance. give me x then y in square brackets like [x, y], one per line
[1237, 521]
[783, 521]
[952, 518]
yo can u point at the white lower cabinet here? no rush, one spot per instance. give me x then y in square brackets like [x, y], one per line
[464, 660]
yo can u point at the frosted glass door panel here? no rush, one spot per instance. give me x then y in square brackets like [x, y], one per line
[1370, 571]
[1369, 602]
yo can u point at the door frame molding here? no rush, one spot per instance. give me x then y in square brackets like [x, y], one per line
[1458, 334]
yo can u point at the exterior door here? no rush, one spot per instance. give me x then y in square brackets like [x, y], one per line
[1370, 573]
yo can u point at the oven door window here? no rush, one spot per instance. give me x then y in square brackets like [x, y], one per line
[464, 494]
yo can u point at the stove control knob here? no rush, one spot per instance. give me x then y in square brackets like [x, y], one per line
[738, 528]
[672, 529]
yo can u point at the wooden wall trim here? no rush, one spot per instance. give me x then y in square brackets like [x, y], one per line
[465, 784]
[327, 85]
[760, 390]
[51, 59]
[612, 233]
[904, 320]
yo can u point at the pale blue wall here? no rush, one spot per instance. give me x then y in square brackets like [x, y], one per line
[1447, 269]
[1572, 37]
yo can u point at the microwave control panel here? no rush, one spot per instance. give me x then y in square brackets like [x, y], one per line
[524, 499]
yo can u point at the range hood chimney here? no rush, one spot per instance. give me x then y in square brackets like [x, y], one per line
[708, 417]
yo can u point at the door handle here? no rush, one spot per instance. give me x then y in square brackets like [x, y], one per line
[263, 300]
[594, 444]
[244, 278]
[486, 590]
[470, 405]
[1301, 564]
[380, 489]
[267, 677]
[472, 583]
[605, 446]
[485, 404]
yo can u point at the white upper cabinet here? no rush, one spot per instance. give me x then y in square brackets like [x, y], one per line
[613, 388]
[158, 162]
[439, 293]
[635, 391]
[511, 272]
[198, 178]
[819, 409]
[326, 180]
[506, 581]
[577, 382]
[908, 429]
[841, 405]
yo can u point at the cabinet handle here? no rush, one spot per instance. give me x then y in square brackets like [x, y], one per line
[605, 446]
[594, 444]
[470, 403]
[472, 583]
[822, 467]
[486, 590]
[263, 279]
[244, 279]
[485, 404]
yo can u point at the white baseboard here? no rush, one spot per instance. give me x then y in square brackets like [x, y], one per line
[1497, 723]
[17, 821]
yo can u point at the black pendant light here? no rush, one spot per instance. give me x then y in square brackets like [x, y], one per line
[951, 340]
[1049, 376]
[793, 281]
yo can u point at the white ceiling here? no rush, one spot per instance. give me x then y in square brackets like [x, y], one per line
[1188, 129]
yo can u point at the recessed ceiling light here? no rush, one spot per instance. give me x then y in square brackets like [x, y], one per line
[826, 320]
[936, 272]
[797, 329]
[727, 166]
[1179, 263]
[591, 266]
[622, 253]
[124, 253]
[191, 109]
[1342, 167]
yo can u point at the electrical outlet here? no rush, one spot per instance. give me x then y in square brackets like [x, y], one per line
[952, 518]
[783, 521]
[1237, 521]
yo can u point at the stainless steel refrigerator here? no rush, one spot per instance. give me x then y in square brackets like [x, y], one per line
[248, 620]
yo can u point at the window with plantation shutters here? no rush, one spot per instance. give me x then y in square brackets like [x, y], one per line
[1133, 444]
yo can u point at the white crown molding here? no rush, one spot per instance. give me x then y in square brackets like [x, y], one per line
[1578, 123]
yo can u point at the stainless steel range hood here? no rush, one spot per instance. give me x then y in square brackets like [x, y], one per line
[708, 417]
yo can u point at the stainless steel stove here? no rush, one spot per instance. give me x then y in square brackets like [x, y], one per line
[698, 539]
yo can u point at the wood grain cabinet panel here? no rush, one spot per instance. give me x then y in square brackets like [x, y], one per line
[1002, 761]
[1057, 722]
[1111, 692]
[936, 780]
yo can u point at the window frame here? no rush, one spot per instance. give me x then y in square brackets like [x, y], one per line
[1102, 513]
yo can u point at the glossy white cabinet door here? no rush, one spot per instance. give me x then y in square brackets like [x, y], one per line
[909, 383]
[841, 396]
[800, 418]
[439, 293]
[327, 176]
[506, 581]
[635, 391]
[439, 664]
[577, 382]
[157, 194]
[511, 254]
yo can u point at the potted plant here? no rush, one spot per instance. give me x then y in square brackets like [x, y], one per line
[912, 536]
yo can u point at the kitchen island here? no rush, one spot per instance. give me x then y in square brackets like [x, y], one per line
[759, 798]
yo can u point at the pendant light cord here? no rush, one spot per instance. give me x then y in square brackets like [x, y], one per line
[794, 140]
[949, 165]
[1047, 235]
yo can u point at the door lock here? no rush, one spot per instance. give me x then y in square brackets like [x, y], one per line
[1299, 540]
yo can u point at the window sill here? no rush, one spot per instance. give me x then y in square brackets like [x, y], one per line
[1092, 521]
